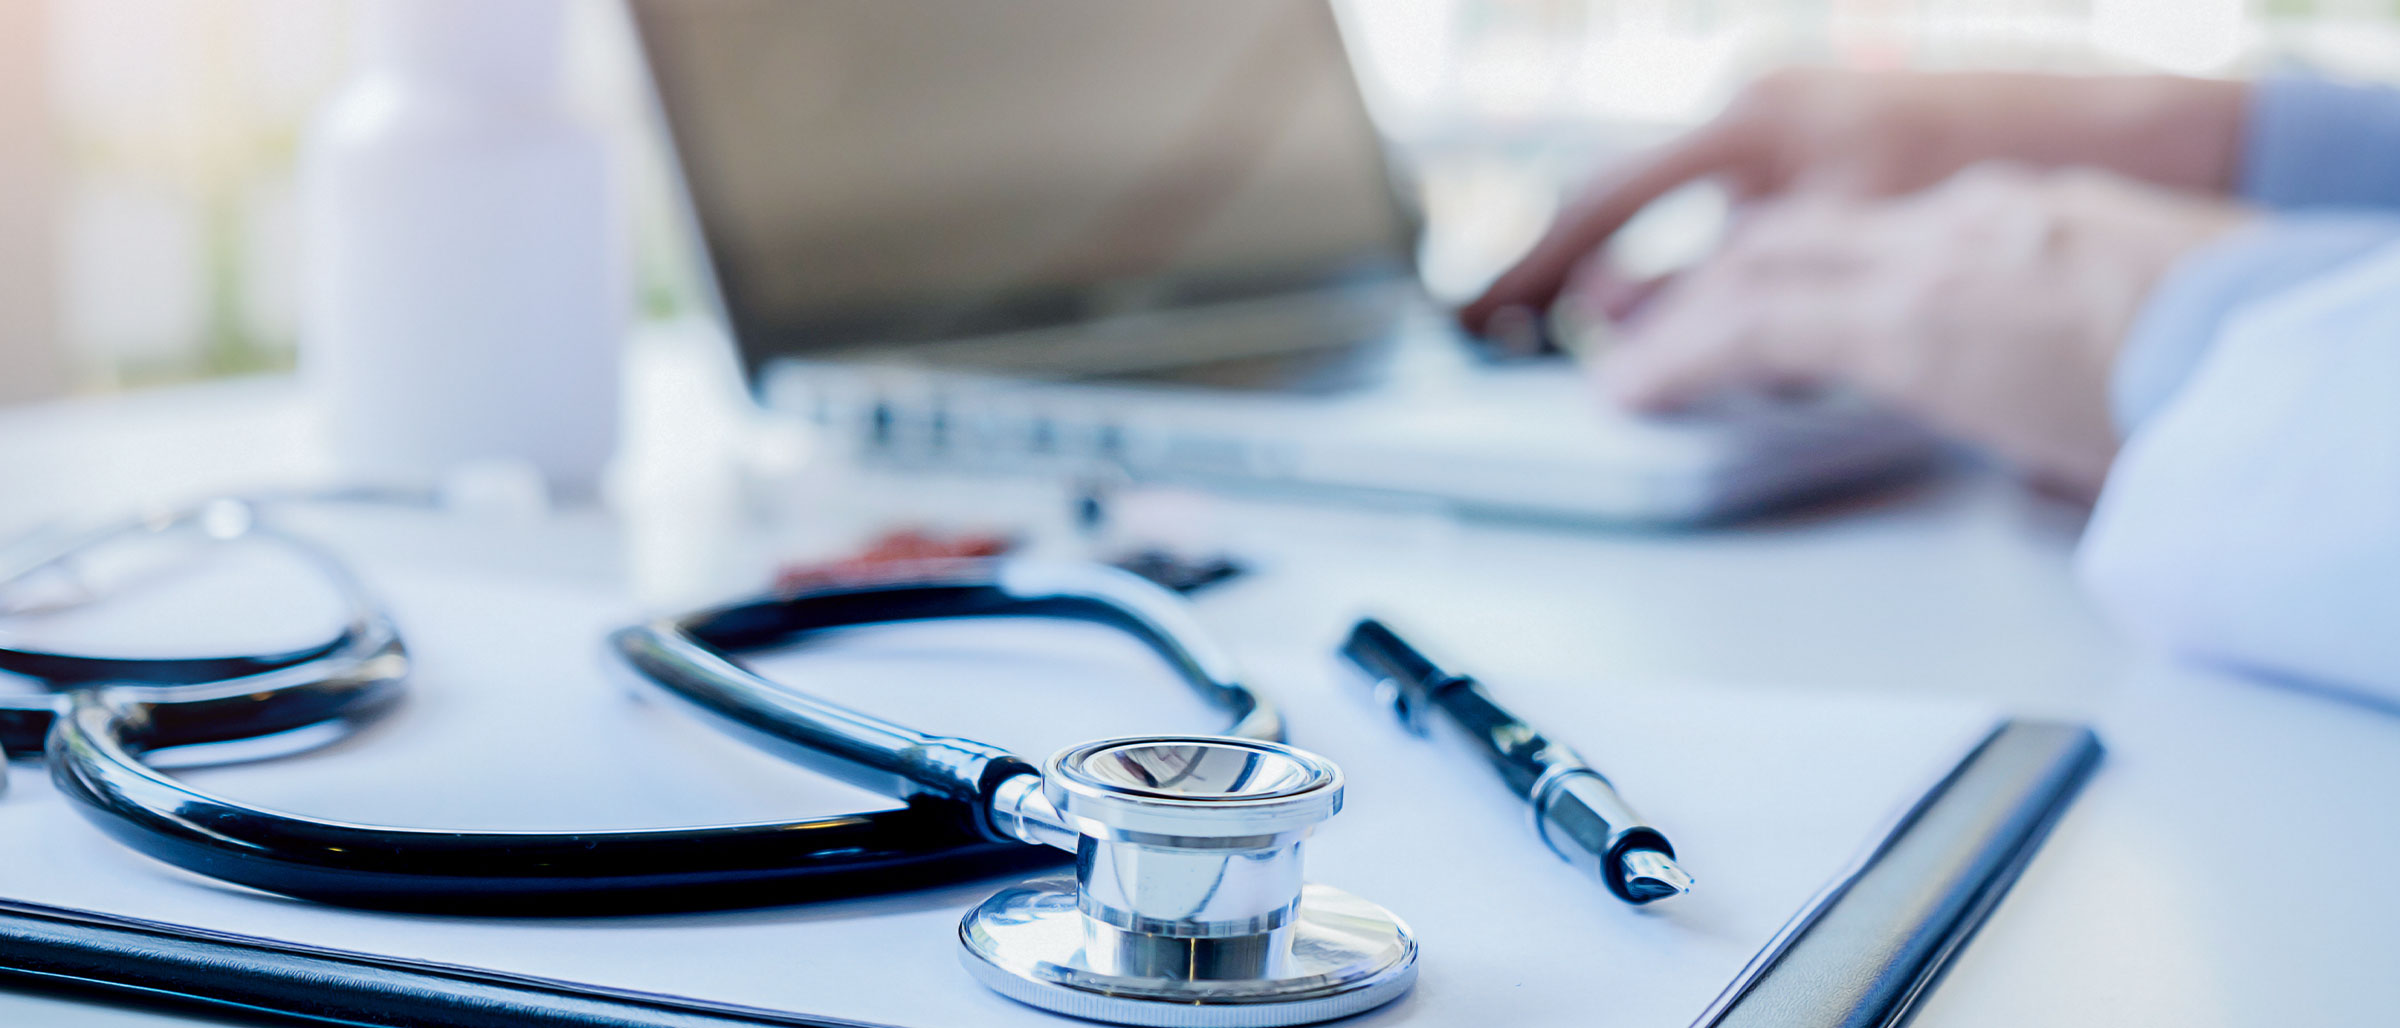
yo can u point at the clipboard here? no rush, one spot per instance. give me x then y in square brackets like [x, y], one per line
[1864, 952]
[1860, 955]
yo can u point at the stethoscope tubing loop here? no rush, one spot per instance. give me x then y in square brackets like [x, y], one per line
[101, 729]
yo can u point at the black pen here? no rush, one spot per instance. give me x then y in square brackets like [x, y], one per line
[1577, 812]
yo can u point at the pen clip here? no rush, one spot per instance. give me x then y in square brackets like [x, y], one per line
[1402, 678]
[1405, 704]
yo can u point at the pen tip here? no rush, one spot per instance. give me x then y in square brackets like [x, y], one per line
[1651, 875]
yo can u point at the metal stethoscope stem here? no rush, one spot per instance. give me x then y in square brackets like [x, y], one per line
[1188, 906]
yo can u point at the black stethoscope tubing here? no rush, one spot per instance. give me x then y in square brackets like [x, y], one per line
[99, 733]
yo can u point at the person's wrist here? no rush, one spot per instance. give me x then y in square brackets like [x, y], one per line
[2201, 292]
[2184, 133]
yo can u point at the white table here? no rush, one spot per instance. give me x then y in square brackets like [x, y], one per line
[2232, 864]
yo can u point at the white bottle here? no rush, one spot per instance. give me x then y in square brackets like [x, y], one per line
[467, 297]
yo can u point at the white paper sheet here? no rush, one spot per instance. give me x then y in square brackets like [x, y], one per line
[515, 722]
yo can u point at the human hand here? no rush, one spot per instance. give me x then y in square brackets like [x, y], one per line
[1991, 306]
[1855, 134]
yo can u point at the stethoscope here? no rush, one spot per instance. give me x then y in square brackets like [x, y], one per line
[1187, 906]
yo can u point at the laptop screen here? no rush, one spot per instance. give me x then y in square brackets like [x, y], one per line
[877, 172]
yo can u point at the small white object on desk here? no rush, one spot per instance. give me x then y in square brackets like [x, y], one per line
[468, 297]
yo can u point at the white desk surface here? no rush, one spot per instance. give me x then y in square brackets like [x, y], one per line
[2231, 865]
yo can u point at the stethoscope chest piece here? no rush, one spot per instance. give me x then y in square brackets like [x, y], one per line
[1188, 906]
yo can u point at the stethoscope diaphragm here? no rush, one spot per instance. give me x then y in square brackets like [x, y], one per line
[1188, 906]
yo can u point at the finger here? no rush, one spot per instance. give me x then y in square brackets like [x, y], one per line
[1589, 314]
[1597, 290]
[1622, 298]
[1795, 237]
[1738, 330]
[1801, 234]
[1535, 279]
[1694, 337]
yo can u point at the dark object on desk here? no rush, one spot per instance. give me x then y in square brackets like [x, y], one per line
[57, 948]
[891, 549]
[1182, 574]
[892, 552]
[1577, 811]
[1871, 946]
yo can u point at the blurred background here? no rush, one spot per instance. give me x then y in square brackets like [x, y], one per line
[148, 218]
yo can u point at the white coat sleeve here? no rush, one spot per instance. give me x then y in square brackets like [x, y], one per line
[2253, 517]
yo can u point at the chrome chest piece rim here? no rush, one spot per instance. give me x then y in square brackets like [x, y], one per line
[1188, 906]
[1347, 956]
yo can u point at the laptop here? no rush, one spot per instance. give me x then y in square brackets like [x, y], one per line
[1156, 241]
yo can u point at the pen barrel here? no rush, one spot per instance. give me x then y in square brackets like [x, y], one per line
[1583, 820]
[1576, 811]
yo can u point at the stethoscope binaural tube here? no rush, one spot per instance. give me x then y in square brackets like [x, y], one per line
[692, 659]
[202, 699]
[504, 873]
[96, 751]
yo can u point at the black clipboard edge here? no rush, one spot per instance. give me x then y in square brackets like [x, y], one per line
[150, 963]
[1873, 943]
